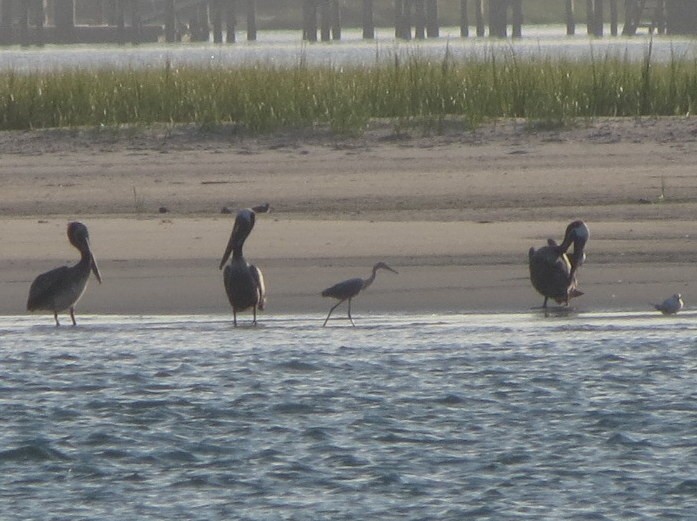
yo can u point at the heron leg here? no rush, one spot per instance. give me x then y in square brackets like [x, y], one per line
[72, 315]
[234, 317]
[544, 304]
[349, 313]
[330, 312]
[55, 316]
[254, 320]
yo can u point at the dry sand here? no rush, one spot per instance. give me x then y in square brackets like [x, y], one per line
[455, 213]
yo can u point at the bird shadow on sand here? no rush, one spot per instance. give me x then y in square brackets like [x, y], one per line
[555, 312]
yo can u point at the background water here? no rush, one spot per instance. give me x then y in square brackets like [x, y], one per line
[286, 48]
[589, 416]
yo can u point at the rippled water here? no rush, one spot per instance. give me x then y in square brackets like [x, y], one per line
[589, 416]
[285, 47]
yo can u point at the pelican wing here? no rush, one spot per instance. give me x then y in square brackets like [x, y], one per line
[550, 273]
[45, 287]
[261, 288]
[244, 285]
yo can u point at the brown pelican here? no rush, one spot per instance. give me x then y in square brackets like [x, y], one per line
[553, 271]
[348, 289]
[244, 283]
[670, 305]
[61, 288]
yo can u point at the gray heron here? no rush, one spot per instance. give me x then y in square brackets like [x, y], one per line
[348, 289]
[553, 270]
[61, 288]
[244, 283]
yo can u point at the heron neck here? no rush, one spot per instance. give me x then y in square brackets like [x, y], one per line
[367, 282]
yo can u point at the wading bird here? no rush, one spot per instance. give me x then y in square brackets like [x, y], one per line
[348, 289]
[61, 288]
[244, 283]
[553, 270]
[671, 305]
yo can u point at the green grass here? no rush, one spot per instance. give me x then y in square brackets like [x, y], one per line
[265, 98]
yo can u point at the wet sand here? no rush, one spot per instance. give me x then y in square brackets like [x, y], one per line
[455, 213]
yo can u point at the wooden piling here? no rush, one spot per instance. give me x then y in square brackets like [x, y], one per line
[661, 17]
[432, 28]
[613, 17]
[120, 18]
[598, 16]
[198, 24]
[325, 20]
[217, 15]
[517, 18]
[401, 29]
[479, 17]
[408, 22]
[136, 23]
[251, 20]
[570, 18]
[170, 22]
[335, 13]
[368, 20]
[230, 21]
[419, 19]
[109, 12]
[498, 19]
[464, 20]
[64, 20]
[23, 23]
[39, 17]
[310, 20]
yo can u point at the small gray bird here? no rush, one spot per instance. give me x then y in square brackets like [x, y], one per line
[671, 305]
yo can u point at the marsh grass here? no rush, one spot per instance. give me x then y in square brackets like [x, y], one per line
[408, 89]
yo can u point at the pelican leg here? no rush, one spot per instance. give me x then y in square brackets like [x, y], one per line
[72, 315]
[55, 316]
[349, 313]
[330, 312]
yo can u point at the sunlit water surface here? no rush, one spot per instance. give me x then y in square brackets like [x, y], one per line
[510, 416]
[286, 48]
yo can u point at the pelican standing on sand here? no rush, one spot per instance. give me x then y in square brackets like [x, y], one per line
[553, 271]
[61, 288]
[244, 283]
[348, 289]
